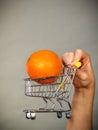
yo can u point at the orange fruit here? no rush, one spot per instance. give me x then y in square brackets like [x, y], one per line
[44, 63]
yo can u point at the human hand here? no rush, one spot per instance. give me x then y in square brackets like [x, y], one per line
[84, 77]
[84, 82]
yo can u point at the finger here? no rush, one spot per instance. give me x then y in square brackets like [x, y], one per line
[81, 75]
[67, 58]
[80, 55]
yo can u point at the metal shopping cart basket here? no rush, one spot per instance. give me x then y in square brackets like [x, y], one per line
[57, 92]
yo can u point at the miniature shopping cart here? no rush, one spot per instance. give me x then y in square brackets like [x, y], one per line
[56, 93]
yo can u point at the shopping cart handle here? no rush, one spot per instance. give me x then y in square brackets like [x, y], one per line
[78, 64]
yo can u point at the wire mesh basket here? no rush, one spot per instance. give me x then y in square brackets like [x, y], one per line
[58, 90]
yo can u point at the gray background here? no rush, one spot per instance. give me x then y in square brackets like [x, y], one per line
[26, 26]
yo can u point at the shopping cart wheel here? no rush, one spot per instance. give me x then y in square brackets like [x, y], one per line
[68, 115]
[59, 114]
[28, 115]
[33, 115]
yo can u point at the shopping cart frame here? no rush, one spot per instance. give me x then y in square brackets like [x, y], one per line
[59, 90]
